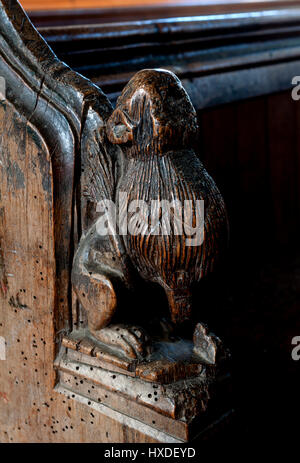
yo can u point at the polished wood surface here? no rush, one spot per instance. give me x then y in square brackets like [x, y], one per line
[146, 11]
[222, 5]
[76, 4]
[255, 54]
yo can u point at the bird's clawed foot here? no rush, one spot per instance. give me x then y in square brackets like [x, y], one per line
[132, 341]
[206, 345]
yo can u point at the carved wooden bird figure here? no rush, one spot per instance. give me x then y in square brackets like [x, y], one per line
[156, 125]
[154, 131]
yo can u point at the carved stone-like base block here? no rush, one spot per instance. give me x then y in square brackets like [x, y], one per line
[151, 396]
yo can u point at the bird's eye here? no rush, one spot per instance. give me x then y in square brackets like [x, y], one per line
[119, 130]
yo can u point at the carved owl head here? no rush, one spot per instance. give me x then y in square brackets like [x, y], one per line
[154, 112]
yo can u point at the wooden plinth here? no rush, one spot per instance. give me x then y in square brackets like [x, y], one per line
[169, 399]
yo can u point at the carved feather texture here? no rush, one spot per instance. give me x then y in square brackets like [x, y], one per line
[175, 176]
[97, 167]
[156, 124]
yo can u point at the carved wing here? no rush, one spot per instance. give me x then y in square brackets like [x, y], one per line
[97, 165]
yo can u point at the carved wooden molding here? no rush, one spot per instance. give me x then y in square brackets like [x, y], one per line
[116, 348]
[56, 101]
[256, 54]
[98, 15]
